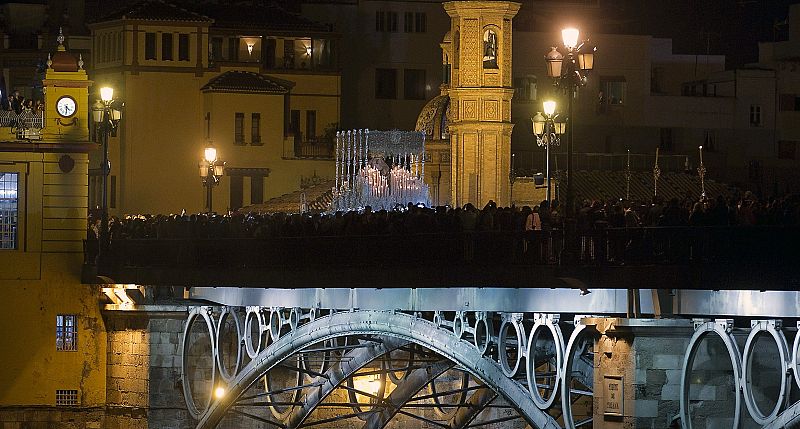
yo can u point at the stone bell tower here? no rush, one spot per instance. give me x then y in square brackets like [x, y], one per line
[480, 96]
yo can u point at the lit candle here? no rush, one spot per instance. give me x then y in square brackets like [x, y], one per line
[629, 158]
[701, 154]
[656, 156]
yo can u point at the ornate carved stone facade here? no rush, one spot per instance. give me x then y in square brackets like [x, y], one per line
[481, 92]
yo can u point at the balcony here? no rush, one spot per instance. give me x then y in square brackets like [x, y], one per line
[21, 126]
[294, 147]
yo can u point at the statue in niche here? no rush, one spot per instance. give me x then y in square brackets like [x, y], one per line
[489, 49]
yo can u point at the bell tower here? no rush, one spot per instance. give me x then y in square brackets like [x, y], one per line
[480, 96]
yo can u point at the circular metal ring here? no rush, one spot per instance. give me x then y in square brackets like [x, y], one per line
[276, 321]
[483, 336]
[530, 362]
[688, 360]
[223, 371]
[282, 412]
[566, 373]
[437, 319]
[440, 409]
[747, 371]
[294, 317]
[458, 325]
[502, 346]
[796, 356]
[312, 314]
[387, 358]
[253, 315]
[191, 405]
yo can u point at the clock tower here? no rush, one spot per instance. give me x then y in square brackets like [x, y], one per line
[480, 101]
[66, 96]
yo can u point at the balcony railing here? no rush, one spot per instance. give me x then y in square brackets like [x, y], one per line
[24, 119]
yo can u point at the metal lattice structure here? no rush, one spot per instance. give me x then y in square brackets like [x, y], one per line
[304, 366]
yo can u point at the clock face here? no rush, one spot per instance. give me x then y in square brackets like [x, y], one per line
[65, 106]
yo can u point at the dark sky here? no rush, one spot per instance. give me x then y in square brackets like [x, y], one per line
[729, 27]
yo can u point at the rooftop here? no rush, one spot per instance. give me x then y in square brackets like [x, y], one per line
[250, 82]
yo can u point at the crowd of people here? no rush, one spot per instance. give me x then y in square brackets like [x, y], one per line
[18, 103]
[589, 215]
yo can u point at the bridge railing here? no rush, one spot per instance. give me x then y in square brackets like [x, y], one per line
[610, 246]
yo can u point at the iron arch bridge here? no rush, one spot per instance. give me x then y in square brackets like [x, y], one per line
[306, 366]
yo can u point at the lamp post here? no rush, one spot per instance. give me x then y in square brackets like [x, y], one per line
[548, 130]
[569, 73]
[211, 171]
[106, 117]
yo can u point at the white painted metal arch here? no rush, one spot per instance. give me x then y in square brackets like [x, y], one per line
[383, 323]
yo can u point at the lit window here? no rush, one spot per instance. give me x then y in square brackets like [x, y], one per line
[9, 210]
[755, 115]
[66, 398]
[66, 333]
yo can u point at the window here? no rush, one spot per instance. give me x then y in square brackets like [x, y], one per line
[755, 115]
[66, 333]
[66, 398]
[311, 124]
[408, 22]
[256, 189]
[166, 47]
[150, 46]
[420, 22]
[380, 21]
[233, 49]
[288, 54]
[612, 90]
[666, 139]
[525, 88]
[183, 47]
[787, 149]
[237, 191]
[414, 84]
[9, 210]
[386, 83]
[789, 102]
[385, 21]
[215, 51]
[255, 129]
[294, 125]
[490, 49]
[238, 129]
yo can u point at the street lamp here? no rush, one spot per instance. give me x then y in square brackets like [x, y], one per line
[106, 114]
[569, 72]
[211, 171]
[548, 129]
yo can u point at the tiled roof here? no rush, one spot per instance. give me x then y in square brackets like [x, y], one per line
[267, 17]
[605, 185]
[244, 81]
[155, 10]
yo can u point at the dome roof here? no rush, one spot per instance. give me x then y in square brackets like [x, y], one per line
[433, 119]
[448, 37]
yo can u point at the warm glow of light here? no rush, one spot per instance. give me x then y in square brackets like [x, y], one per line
[371, 385]
[250, 48]
[701, 147]
[570, 36]
[106, 93]
[210, 154]
[549, 107]
[219, 392]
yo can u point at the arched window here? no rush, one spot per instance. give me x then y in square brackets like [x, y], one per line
[456, 48]
[490, 49]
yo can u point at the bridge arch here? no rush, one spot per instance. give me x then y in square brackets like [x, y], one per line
[391, 324]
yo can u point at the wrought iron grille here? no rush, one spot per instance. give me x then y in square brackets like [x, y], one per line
[9, 212]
